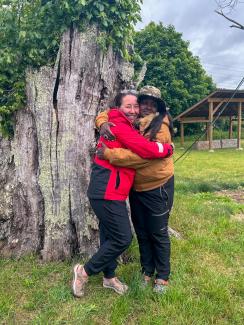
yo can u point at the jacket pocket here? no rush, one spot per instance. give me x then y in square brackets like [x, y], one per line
[117, 180]
[164, 194]
[123, 181]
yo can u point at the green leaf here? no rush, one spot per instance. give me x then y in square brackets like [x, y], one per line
[22, 34]
[100, 6]
[105, 23]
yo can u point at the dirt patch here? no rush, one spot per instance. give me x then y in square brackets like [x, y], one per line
[236, 195]
[238, 217]
[214, 261]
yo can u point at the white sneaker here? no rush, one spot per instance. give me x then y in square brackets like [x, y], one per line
[116, 285]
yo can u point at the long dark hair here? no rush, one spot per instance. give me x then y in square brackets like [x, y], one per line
[157, 122]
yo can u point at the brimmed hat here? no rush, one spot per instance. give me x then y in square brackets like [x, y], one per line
[154, 93]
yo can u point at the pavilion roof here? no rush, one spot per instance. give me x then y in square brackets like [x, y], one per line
[219, 98]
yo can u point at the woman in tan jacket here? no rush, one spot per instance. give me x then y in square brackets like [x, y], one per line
[152, 196]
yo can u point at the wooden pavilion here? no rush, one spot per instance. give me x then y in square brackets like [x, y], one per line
[208, 109]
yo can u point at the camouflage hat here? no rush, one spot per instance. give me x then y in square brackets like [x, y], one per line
[154, 93]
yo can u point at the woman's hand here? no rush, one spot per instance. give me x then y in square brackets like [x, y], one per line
[106, 132]
[100, 151]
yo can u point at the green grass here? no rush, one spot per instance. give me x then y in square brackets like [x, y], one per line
[207, 282]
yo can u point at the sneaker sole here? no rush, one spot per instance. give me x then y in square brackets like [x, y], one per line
[74, 281]
[113, 288]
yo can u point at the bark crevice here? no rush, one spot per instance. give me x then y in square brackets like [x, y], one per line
[55, 91]
[71, 37]
[74, 236]
[78, 92]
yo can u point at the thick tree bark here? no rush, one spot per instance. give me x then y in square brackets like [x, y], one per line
[7, 185]
[47, 165]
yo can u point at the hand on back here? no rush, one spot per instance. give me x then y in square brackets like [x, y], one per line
[106, 132]
[100, 151]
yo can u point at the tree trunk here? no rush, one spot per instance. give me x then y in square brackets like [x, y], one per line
[7, 184]
[47, 165]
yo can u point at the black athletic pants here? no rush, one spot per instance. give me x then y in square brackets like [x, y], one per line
[115, 236]
[150, 214]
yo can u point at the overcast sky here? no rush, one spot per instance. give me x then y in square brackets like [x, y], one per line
[219, 47]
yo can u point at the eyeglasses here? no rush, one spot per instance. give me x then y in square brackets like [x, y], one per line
[129, 91]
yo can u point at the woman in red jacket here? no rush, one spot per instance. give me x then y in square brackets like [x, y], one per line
[108, 189]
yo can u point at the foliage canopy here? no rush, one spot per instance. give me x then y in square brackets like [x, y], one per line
[30, 33]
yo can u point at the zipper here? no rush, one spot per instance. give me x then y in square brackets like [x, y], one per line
[117, 180]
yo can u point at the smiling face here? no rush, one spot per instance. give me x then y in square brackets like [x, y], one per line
[130, 107]
[148, 106]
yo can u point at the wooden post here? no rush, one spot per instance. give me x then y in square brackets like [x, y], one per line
[231, 128]
[207, 131]
[182, 135]
[211, 126]
[239, 128]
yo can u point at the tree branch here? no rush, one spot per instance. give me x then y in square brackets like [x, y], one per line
[231, 4]
[236, 24]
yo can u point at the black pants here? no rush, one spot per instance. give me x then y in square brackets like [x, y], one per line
[150, 214]
[115, 236]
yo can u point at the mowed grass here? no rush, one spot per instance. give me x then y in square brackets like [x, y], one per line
[207, 282]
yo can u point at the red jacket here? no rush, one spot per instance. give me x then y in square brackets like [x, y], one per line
[114, 183]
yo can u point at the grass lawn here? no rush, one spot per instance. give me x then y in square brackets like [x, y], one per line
[207, 282]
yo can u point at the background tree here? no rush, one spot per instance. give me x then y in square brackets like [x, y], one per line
[171, 66]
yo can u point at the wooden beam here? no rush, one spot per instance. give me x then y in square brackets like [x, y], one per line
[239, 127]
[211, 126]
[207, 131]
[177, 118]
[217, 107]
[194, 120]
[224, 100]
[231, 128]
[182, 134]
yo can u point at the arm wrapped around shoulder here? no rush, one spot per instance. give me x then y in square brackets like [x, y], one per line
[144, 148]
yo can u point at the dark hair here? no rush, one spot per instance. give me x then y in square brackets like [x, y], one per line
[119, 98]
[157, 122]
